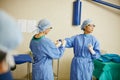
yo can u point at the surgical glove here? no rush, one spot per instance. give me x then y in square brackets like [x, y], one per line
[90, 47]
[58, 43]
[63, 43]
[10, 60]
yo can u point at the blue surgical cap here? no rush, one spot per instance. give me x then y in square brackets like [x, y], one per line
[43, 25]
[10, 34]
[85, 23]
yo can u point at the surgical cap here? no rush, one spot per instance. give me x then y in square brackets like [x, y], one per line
[10, 34]
[85, 23]
[43, 25]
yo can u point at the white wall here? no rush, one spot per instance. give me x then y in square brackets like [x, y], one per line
[59, 12]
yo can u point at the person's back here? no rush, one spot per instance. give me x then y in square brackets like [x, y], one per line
[44, 51]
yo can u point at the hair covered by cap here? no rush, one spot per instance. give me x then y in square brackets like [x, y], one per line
[10, 34]
[43, 25]
[85, 23]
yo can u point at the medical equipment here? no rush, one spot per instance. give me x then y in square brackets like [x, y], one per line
[77, 5]
[107, 70]
[24, 58]
[56, 74]
[107, 4]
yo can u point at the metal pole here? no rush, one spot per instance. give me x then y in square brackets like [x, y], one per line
[107, 4]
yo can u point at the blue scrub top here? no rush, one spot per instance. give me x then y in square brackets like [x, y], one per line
[82, 65]
[44, 51]
[6, 76]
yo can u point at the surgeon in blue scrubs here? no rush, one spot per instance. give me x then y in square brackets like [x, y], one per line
[44, 51]
[86, 48]
[10, 38]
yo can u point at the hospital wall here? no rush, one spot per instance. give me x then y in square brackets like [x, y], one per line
[59, 12]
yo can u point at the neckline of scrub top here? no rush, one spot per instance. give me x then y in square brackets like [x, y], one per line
[38, 38]
[86, 35]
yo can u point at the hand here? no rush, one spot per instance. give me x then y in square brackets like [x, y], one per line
[10, 60]
[58, 43]
[63, 43]
[90, 47]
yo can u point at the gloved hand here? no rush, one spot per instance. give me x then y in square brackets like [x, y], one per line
[90, 47]
[63, 43]
[10, 60]
[58, 43]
